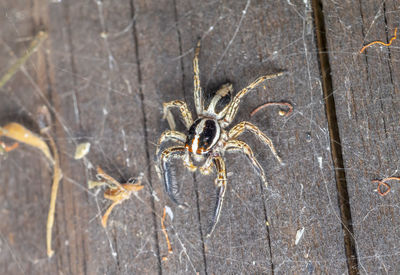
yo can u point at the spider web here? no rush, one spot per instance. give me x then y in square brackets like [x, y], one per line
[105, 71]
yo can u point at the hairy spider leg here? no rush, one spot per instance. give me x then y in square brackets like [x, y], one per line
[170, 135]
[198, 92]
[239, 128]
[220, 102]
[220, 183]
[186, 114]
[233, 108]
[171, 186]
[240, 146]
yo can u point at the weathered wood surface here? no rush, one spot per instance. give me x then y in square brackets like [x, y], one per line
[105, 71]
[366, 89]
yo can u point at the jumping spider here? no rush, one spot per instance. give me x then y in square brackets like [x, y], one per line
[207, 138]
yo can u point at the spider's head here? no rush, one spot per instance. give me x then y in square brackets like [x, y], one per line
[203, 135]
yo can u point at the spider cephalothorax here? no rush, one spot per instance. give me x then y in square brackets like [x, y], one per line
[207, 140]
[202, 136]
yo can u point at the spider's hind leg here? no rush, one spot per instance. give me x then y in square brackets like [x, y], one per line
[220, 183]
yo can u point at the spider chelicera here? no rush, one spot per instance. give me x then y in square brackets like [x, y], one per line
[207, 139]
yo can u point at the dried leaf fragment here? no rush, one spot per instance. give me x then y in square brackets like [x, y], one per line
[82, 150]
[19, 133]
[116, 191]
[299, 234]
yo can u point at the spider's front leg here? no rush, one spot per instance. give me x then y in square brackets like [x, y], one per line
[238, 145]
[171, 186]
[170, 135]
[186, 115]
[220, 183]
[245, 125]
[198, 93]
[233, 108]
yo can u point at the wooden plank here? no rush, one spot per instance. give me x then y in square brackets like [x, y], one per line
[76, 64]
[106, 70]
[238, 45]
[25, 174]
[104, 81]
[161, 81]
[367, 99]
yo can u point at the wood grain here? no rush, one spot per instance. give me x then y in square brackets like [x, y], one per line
[105, 71]
[367, 99]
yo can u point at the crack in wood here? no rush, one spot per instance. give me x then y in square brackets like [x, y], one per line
[335, 144]
[145, 133]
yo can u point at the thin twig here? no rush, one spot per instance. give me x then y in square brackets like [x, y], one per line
[57, 176]
[164, 230]
[281, 112]
[380, 42]
[39, 38]
[383, 182]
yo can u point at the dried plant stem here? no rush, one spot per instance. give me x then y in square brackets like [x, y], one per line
[19, 133]
[383, 182]
[285, 113]
[39, 38]
[380, 42]
[164, 230]
[108, 212]
[54, 189]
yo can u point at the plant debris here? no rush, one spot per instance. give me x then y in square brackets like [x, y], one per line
[281, 112]
[19, 133]
[383, 183]
[164, 230]
[380, 42]
[82, 150]
[116, 191]
[39, 38]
